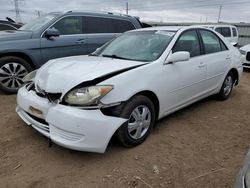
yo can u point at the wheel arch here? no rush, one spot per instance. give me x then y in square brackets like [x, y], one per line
[153, 97]
[115, 110]
[20, 55]
[235, 75]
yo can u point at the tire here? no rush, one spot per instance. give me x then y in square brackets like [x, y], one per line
[12, 70]
[140, 129]
[226, 87]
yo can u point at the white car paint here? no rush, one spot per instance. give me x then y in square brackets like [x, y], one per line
[245, 55]
[176, 85]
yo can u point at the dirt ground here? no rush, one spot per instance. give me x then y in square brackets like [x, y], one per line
[202, 145]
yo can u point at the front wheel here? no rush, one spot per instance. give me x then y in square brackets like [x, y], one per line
[140, 113]
[227, 87]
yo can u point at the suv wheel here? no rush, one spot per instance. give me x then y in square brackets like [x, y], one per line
[12, 71]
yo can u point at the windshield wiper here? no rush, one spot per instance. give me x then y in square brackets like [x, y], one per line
[115, 56]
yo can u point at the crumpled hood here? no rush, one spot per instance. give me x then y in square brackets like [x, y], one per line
[15, 35]
[61, 75]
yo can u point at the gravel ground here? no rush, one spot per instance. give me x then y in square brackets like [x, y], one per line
[202, 145]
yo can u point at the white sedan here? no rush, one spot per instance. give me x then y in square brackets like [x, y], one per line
[124, 87]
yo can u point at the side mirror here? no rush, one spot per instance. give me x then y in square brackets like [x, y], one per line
[178, 56]
[52, 33]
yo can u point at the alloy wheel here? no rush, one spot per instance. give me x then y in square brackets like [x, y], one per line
[11, 75]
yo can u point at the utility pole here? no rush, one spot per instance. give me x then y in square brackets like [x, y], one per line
[219, 14]
[17, 10]
[127, 8]
[38, 13]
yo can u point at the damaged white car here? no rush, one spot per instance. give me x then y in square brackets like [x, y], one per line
[124, 87]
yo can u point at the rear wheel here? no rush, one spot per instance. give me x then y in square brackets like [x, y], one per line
[227, 87]
[140, 113]
[12, 71]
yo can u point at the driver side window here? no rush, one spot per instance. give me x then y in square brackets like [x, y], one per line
[69, 25]
[188, 41]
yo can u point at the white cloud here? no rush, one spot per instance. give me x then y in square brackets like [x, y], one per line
[148, 10]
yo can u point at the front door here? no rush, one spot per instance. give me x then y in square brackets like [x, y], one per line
[72, 40]
[183, 82]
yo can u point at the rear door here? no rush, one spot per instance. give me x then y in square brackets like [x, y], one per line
[217, 58]
[72, 40]
[100, 30]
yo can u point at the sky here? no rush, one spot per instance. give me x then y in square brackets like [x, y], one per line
[147, 10]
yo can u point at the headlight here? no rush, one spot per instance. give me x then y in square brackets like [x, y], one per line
[87, 96]
[30, 77]
[243, 52]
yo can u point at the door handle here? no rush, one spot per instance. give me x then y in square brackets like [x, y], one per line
[80, 41]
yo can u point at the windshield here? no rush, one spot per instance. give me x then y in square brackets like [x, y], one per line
[38, 22]
[138, 46]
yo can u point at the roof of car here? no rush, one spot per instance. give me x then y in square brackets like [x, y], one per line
[101, 13]
[168, 28]
[216, 25]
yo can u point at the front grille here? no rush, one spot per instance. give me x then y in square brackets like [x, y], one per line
[52, 97]
[30, 86]
[248, 56]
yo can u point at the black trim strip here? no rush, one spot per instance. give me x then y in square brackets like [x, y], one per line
[105, 77]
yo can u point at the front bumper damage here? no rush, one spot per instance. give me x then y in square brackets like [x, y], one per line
[70, 127]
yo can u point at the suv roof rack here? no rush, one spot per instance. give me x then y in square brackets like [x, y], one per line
[101, 12]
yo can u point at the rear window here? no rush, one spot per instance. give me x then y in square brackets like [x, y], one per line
[107, 25]
[120, 26]
[234, 32]
[224, 31]
[211, 42]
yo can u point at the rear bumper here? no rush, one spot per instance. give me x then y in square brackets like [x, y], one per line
[70, 127]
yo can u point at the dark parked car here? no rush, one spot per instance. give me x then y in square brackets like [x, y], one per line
[56, 35]
[9, 25]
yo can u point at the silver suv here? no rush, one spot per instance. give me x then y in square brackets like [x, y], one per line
[56, 35]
